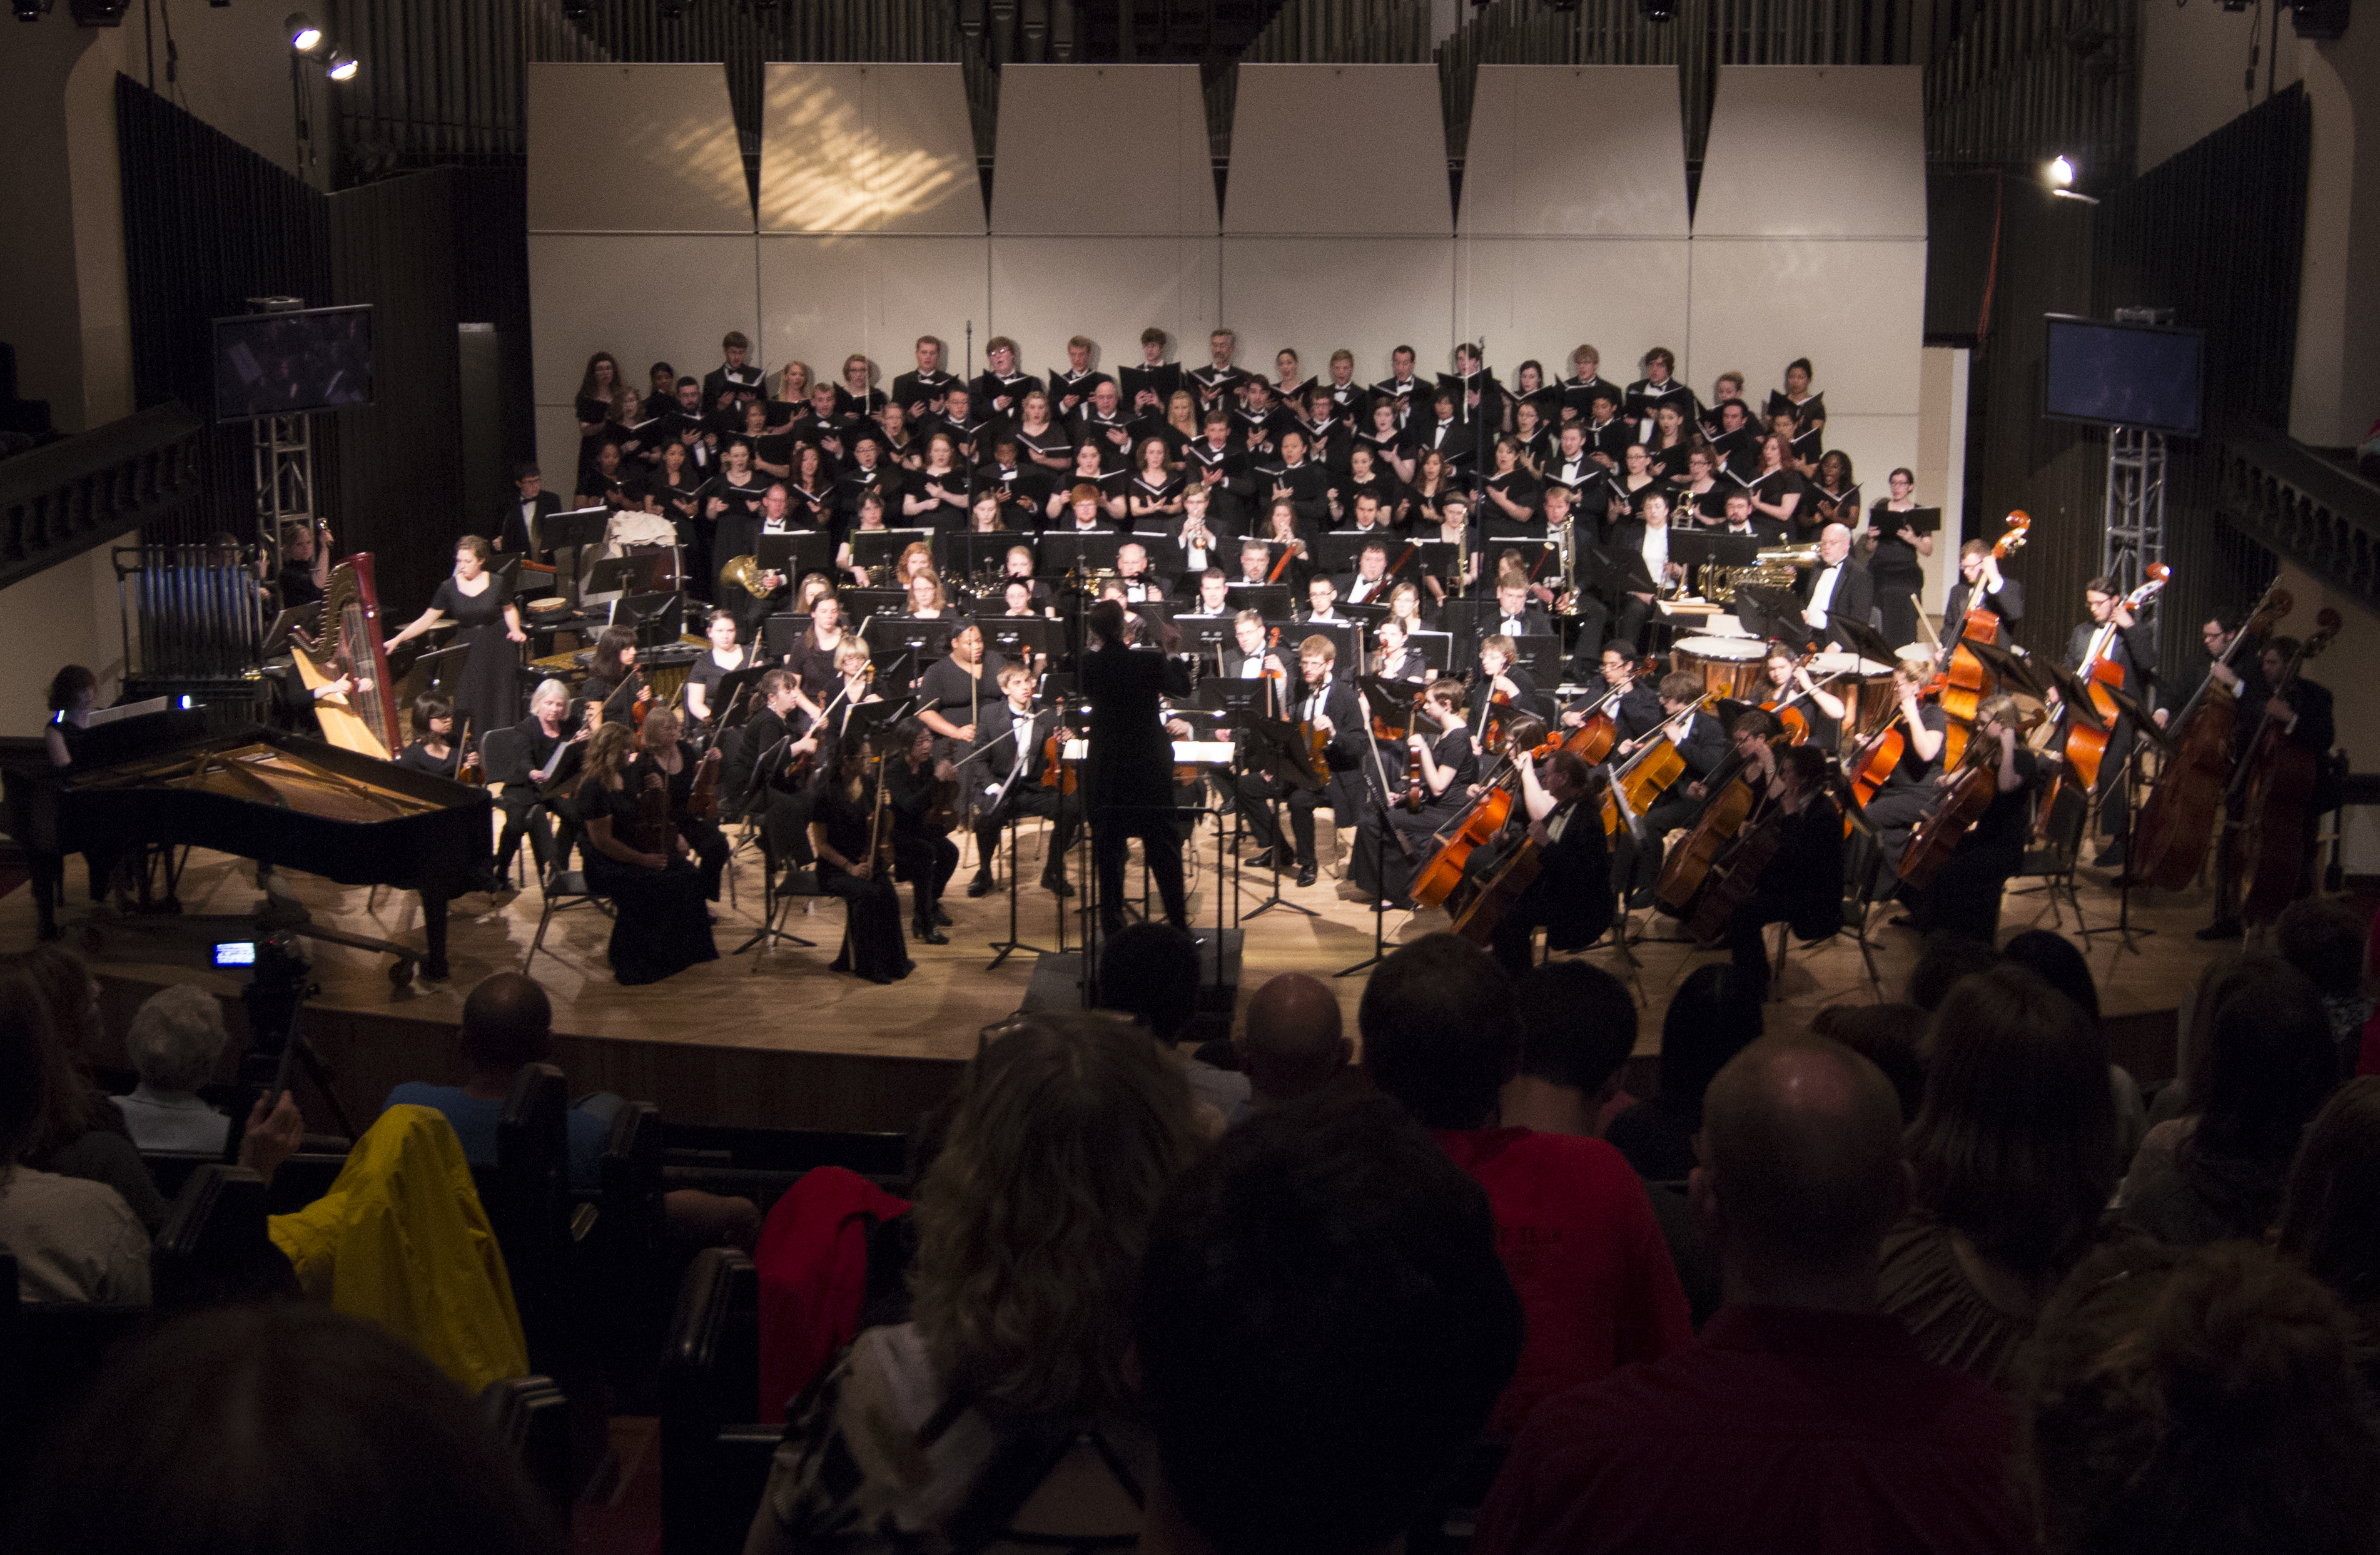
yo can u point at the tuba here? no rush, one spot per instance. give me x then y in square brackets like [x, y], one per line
[1773, 568]
[745, 573]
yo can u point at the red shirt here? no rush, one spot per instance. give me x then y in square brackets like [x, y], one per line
[1578, 1237]
[1781, 1430]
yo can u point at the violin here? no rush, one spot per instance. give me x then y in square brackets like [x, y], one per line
[702, 803]
[470, 768]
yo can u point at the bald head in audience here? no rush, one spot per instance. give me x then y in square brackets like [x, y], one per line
[1802, 1173]
[508, 1021]
[1292, 1042]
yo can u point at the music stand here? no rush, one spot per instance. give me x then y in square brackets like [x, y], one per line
[2011, 670]
[921, 641]
[2073, 693]
[859, 604]
[1203, 635]
[797, 552]
[1436, 650]
[305, 618]
[1340, 551]
[781, 636]
[725, 712]
[659, 620]
[1865, 639]
[2129, 706]
[1695, 548]
[968, 553]
[1078, 553]
[1269, 599]
[1367, 616]
[1388, 704]
[440, 658]
[1019, 637]
[570, 532]
[1344, 637]
[1773, 613]
[1278, 751]
[871, 549]
[1541, 652]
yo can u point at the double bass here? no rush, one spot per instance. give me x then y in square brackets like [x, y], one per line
[1965, 680]
[2169, 836]
[2277, 778]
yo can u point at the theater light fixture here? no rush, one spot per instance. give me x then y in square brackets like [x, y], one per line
[1656, 10]
[342, 66]
[304, 36]
[2057, 174]
[30, 10]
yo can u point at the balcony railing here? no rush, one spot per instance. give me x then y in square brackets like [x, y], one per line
[59, 500]
[2312, 509]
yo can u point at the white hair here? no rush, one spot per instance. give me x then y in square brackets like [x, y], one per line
[548, 691]
[176, 1037]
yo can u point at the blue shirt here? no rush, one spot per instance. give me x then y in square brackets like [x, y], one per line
[475, 1124]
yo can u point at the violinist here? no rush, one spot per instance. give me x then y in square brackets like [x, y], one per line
[433, 750]
[1396, 840]
[724, 657]
[551, 755]
[2114, 635]
[1789, 682]
[1703, 745]
[661, 753]
[659, 925]
[611, 671]
[1393, 655]
[1328, 709]
[1907, 792]
[854, 671]
[1506, 690]
[813, 655]
[1571, 898]
[843, 807]
[1963, 899]
[922, 852]
[2302, 712]
[1634, 706]
[762, 774]
[1012, 730]
[1802, 883]
[1981, 587]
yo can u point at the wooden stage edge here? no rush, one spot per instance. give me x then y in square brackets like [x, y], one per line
[774, 1039]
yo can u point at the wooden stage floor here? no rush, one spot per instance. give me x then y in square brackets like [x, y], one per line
[776, 1040]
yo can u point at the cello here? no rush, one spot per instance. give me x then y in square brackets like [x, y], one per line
[2277, 776]
[2086, 747]
[1478, 824]
[1973, 787]
[1733, 798]
[2170, 835]
[1641, 779]
[1966, 682]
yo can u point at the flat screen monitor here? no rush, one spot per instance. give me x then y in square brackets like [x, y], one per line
[286, 364]
[2126, 375]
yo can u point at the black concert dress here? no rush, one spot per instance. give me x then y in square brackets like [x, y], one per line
[489, 692]
[660, 926]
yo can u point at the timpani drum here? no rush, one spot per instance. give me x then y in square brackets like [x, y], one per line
[1864, 685]
[1729, 666]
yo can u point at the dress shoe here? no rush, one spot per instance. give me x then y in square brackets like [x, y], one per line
[1638, 901]
[927, 934]
[979, 886]
[1057, 885]
[2221, 929]
[1262, 860]
[2109, 858]
[942, 918]
[1305, 875]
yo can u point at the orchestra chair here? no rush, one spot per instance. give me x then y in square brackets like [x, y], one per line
[716, 1450]
[778, 893]
[49, 1352]
[2053, 863]
[565, 889]
[1856, 907]
[530, 1417]
[504, 757]
[214, 1249]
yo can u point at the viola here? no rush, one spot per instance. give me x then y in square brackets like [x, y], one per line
[2086, 747]
[1966, 681]
[470, 768]
[2168, 839]
[2278, 777]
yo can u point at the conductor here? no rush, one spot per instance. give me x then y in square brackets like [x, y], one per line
[1129, 774]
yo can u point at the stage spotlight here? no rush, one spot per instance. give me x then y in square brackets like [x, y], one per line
[30, 10]
[2061, 173]
[1656, 10]
[342, 66]
[304, 36]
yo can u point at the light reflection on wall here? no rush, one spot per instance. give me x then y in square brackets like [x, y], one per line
[837, 158]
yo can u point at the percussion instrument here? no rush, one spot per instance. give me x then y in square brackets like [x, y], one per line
[1730, 667]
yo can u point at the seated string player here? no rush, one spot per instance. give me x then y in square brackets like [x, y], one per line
[1009, 731]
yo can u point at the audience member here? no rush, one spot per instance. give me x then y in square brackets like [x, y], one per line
[74, 1239]
[2323, 937]
[1150, 971]
[2265, 1066]
[1322, 1327]
[1578, 1025]
[2014, 1154]
[176, 1040]
[2217, 980]
[78, 1134]
[2059, 961]
[1714, 1016]
[1031, 1224]
[1804, 1417]
[1440, 1036]
[282, 1427]
[1945, 959]
[2330, 1216]
[2197, 1402]
[1885, 1035]
[1292, 1042]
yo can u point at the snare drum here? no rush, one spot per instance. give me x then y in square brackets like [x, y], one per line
[1729, 666]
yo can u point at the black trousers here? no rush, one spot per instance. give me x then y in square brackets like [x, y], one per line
[1637, 866]
[1259, 794]
[1065, 811]
[926, 860]
[1893, 814]
[1896, 604]
[524, 816]
[785, 827]
[871, 925]
[1113, 827]
[711, 846]
[2112, 792]
[1392, 845]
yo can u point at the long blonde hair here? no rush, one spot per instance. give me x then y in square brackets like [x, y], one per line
[1032, 1221]
[608, 751]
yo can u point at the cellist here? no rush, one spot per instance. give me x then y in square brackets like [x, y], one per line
[2249, 690]
[1440, 741]
[1981, 585]
[1964, 898]
[2299, 713]
[1907, 791]
[1802, 884]
[1634, 706]
[1703, 745]
[2114, 635]
[1571, 898]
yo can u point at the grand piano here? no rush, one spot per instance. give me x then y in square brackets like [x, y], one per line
[146, 785]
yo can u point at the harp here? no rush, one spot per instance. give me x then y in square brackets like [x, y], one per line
[348, 643]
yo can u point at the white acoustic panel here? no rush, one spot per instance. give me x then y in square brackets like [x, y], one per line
[1112, 289]
[1815, 151]
[1876, 446]
[557, 455]
[1331, 149]
[1542, 297]
[1532, 168]
[634, 148]
[1115, 150]
[1315, 294]
[644, 298]
[821, 298]
[868, 148]
[1857, 310]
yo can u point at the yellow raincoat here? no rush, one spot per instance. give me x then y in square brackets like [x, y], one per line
[401, 1239]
